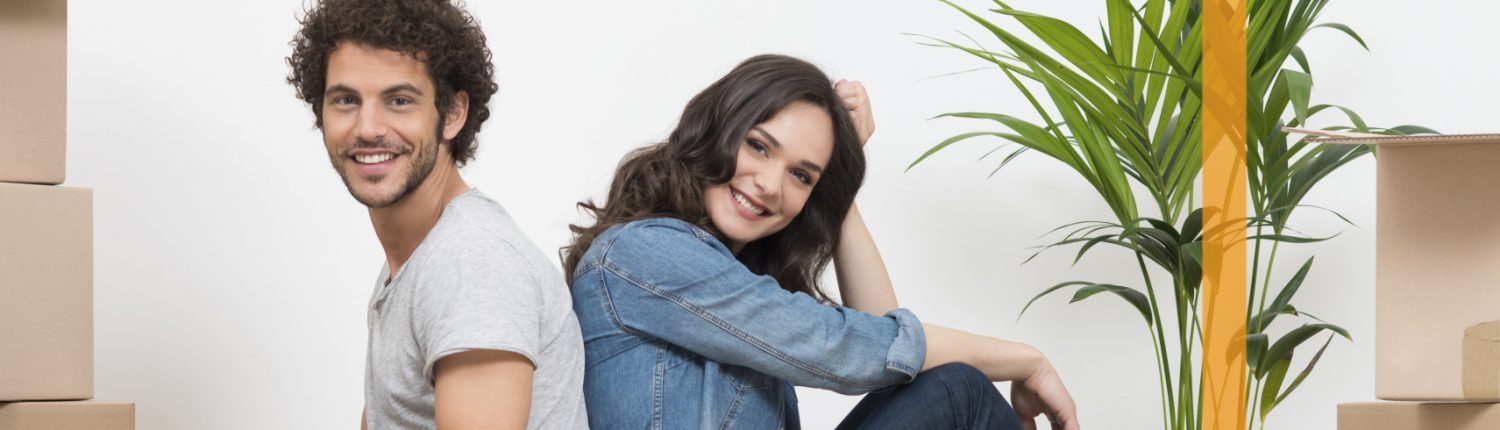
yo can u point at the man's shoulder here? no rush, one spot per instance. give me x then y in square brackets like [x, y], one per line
[474, 221]
[477, 230]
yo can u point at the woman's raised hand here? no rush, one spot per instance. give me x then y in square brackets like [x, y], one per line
[858, 103]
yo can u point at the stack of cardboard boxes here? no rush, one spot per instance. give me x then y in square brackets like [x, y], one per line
[1437, 294]
[46, 238]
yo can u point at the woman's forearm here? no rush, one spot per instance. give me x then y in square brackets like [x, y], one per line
[1000, 360]
[864, 283]
[1036, 388]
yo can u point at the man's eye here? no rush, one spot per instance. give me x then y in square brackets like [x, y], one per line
[343, 100]
[401, 101]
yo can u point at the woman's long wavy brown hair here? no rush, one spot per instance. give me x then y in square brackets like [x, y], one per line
[667, 179]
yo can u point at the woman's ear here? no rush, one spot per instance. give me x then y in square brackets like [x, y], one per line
[458, 114]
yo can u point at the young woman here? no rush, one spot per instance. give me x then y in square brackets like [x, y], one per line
[697, 286]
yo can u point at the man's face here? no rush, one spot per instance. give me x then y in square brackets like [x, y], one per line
[380, 123]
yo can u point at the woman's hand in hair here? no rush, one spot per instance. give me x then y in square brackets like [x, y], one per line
[858, 103]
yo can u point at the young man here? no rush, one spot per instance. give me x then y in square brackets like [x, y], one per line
[470, 324]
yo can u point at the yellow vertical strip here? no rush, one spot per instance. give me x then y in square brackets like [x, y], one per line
[1224, 293]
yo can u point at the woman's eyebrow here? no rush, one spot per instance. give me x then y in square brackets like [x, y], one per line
[812, 166]
[768, 135]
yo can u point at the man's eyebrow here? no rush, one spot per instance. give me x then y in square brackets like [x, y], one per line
[402, 87]
[808, 164]
[338, 88]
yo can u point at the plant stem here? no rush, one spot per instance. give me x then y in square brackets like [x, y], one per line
[1261, 308]
[1160, 339]
[1252, 387]
[1266, 289]
[1185, 353]
[1161, 379]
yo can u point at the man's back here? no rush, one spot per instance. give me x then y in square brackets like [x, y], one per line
[475, 282]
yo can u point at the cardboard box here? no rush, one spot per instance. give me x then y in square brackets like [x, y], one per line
[1419, 416]
[1437, 275]
[67, 416]
[33, 108]
[46, 293]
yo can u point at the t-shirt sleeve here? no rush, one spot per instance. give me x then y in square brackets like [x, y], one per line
[476, 294]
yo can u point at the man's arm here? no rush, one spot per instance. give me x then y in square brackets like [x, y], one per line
[483, 389]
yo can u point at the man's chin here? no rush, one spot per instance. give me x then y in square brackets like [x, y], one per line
[376, 197]
[378, 200]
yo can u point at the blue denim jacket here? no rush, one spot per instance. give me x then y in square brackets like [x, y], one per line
[679, 335]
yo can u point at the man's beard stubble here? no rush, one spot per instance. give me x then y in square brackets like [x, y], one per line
[422, 163]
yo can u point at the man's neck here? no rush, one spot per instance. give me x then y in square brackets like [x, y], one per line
[402, 226]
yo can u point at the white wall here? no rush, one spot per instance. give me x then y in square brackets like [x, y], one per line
[232, 268]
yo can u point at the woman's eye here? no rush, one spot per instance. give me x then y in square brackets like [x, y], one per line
[802, 176]
[756, 146]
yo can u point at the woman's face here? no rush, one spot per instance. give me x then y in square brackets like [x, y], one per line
[779, 163]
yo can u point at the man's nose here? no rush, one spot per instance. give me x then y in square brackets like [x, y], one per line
[370, 125]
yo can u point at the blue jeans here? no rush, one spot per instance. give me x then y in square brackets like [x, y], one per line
[951, 396]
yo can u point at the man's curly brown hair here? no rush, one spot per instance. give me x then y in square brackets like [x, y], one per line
[439, 33]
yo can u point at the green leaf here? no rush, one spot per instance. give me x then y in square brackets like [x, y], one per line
[956, 139]
[1195, 251]
[1107, 239]
[1283, 347]
[1299, 86]
[1135, 298]
[1272, 385]
[1166, 229]
[1192, 227]
[1255, 348]
[1303, 374]
[1049, 291]
[1301, 58]
[1284, 298]
[1086, 224]
[1346, 30]
[1007, 160]
[1289, 238]
[1090, 244]
[1413, 129]
[1069, 42]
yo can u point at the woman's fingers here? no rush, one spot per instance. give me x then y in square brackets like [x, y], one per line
[857, 101]
[1061, 410]
[1044, 394]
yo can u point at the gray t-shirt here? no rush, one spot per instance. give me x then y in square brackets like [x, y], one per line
[475, 282]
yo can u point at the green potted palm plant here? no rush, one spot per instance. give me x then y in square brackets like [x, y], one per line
[1123, 111]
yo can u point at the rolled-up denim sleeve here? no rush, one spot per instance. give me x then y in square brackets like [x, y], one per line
[670, 284]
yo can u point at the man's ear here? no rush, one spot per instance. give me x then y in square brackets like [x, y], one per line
[458, 114]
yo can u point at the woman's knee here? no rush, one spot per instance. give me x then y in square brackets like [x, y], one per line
[960, 377]
[973, 396]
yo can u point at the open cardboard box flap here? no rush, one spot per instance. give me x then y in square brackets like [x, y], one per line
[1355, 138]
